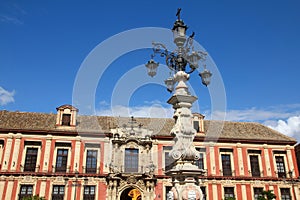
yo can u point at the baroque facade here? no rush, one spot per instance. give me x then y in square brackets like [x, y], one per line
[69, 156]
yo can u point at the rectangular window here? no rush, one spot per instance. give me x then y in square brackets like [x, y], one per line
[255, 170]
[66, 120]
[285, 194]
[196, 126]
[1, 150]
[257, 192]
[203, 189]
[226, 165]
[280, 166]
[91, 161]
[169, 161]
[200, 161]
[89, 193]
[131, 160]
[228, 192]
[58, 192]
[30, 160]
[61, 160]
[168, 189]
[25, 191]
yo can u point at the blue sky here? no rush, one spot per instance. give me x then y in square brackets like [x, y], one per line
[254, 44]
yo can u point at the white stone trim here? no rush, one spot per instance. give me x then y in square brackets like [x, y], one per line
[55, 157]
[240, 161]
[89, 184]
[231, 161]
[39, 152]
[7, 151]
[8, 195]
[259, 162]
[98, 157]
[285, 162]
[212, 160]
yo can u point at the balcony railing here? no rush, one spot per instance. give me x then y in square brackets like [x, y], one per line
[91, 170]
[227, 172]
[30, 168]
[61, 169]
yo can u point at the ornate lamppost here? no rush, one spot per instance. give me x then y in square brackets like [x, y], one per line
[182, 61]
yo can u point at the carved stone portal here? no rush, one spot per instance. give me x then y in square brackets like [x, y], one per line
[138, 185]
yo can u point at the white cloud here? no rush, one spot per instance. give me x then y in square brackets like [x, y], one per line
[152, 111]
[283, 118]
[290, 127]
[12, 14]
[103, 103]
[10, 19]
[256, 114]
[6, 96]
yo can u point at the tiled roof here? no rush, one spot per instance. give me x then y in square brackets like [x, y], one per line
[160, 126]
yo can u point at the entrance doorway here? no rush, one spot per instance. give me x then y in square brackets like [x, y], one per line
[131, 194]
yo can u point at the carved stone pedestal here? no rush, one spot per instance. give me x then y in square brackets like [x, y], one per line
[185, 182]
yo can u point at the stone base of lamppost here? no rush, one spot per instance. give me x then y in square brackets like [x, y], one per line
[185, 180]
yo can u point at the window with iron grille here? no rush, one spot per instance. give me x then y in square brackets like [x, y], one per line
[131, 160]
[25, 191]
[89, 192]
[196, 126]
[200, 161]
[228, 192]
[280, 166]
[257, 192]
[168, 189]
[255, 170]
[30, 159]
[226, 165]
[285, 194]
[58, 192]
[169, 161]
[66, 120]
[203, 190]
[91, 161]
[61, 160]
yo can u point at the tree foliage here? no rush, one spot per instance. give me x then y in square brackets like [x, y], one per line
[267, 195]
[230, 198]
[35, 197]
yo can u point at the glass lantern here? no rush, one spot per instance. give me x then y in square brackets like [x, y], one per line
[179, 32]
[205, 76]
[170, 82]
[193, 59]
[152, 67]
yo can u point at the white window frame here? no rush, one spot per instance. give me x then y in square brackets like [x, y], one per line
[1, 152]
[256, 186]
[55, 158]
[90, 184]
[19, 188]
[139, 158]
[284, 159]
[204, 156]
[39, 147]
[232, 186]
[57, 182]
[231, 160]
[291, 191]
[259, 162]
[165, 185]
[166, 149]
[98, 158]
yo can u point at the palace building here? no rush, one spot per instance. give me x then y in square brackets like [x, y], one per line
[67, 156]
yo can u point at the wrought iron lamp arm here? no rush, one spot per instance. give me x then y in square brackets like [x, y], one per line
[170, 58]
